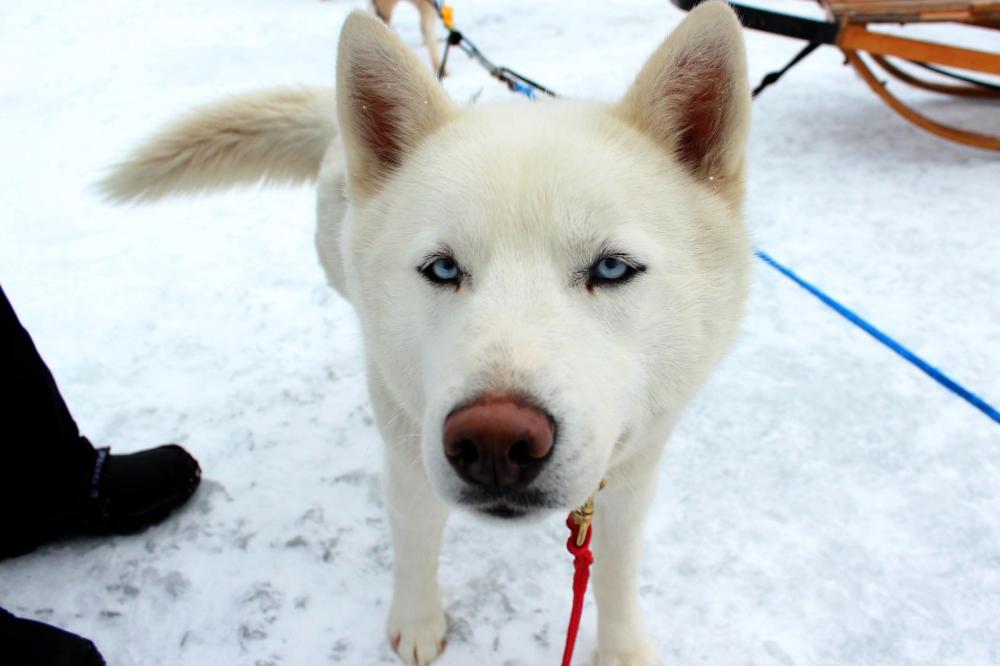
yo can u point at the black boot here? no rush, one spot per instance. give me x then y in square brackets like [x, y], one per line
[118, 494]
[132, 491]
[29, 643]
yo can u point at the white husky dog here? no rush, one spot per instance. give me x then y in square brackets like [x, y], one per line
[541, 286]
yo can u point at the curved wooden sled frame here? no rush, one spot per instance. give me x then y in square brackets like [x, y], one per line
[855, 39]
[948, 132]
[970, 90]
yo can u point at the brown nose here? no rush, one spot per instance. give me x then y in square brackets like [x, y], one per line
[500, 443]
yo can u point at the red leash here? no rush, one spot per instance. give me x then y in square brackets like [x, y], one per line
[578, 546]
[582, 559]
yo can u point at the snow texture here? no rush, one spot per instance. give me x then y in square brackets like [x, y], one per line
[823, 502]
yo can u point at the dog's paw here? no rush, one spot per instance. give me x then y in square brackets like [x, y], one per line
[418, 641]
[639, 654]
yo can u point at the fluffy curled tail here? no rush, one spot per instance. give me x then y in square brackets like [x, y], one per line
[272, 136]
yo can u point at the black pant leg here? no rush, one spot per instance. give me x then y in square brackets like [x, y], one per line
[45, 460]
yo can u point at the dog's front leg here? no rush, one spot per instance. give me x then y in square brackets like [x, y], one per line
[618, 526]
[417, 518]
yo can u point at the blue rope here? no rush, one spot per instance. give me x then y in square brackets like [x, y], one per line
[853, 317]
[527, 91]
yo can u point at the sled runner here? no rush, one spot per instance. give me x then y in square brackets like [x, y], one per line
[848, 29]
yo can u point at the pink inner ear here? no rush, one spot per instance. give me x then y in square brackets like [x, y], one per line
[702, 93]
[376, 118]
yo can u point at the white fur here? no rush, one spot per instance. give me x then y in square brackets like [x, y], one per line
[276, 136]
[524, 196]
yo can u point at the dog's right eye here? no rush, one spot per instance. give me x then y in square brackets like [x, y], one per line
[442, 271]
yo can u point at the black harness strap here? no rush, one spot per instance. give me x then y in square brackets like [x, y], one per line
[786, 25]
[774, 76]
[454, 39]
[986, 85]
[796, 27]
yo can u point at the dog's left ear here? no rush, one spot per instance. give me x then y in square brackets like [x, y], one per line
[692, 96]
[388, 102]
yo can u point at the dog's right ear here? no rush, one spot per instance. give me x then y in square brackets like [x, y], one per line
[387, 102]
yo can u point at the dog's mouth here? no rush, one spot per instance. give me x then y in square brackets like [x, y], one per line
[504, 511]
[508, 505]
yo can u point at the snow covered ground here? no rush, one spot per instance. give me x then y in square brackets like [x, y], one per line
[822, 503]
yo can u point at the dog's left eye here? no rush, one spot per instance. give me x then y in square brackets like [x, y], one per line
[441, 271]
[612, 270]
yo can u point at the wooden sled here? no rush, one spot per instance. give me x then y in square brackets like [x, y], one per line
[848, 29]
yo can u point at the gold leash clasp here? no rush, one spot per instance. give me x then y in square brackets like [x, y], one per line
[584, 515]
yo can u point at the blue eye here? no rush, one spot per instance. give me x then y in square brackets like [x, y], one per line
[442, 270]
[612, 271]
[611, 268]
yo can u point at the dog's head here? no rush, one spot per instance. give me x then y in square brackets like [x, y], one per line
[540, 282]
